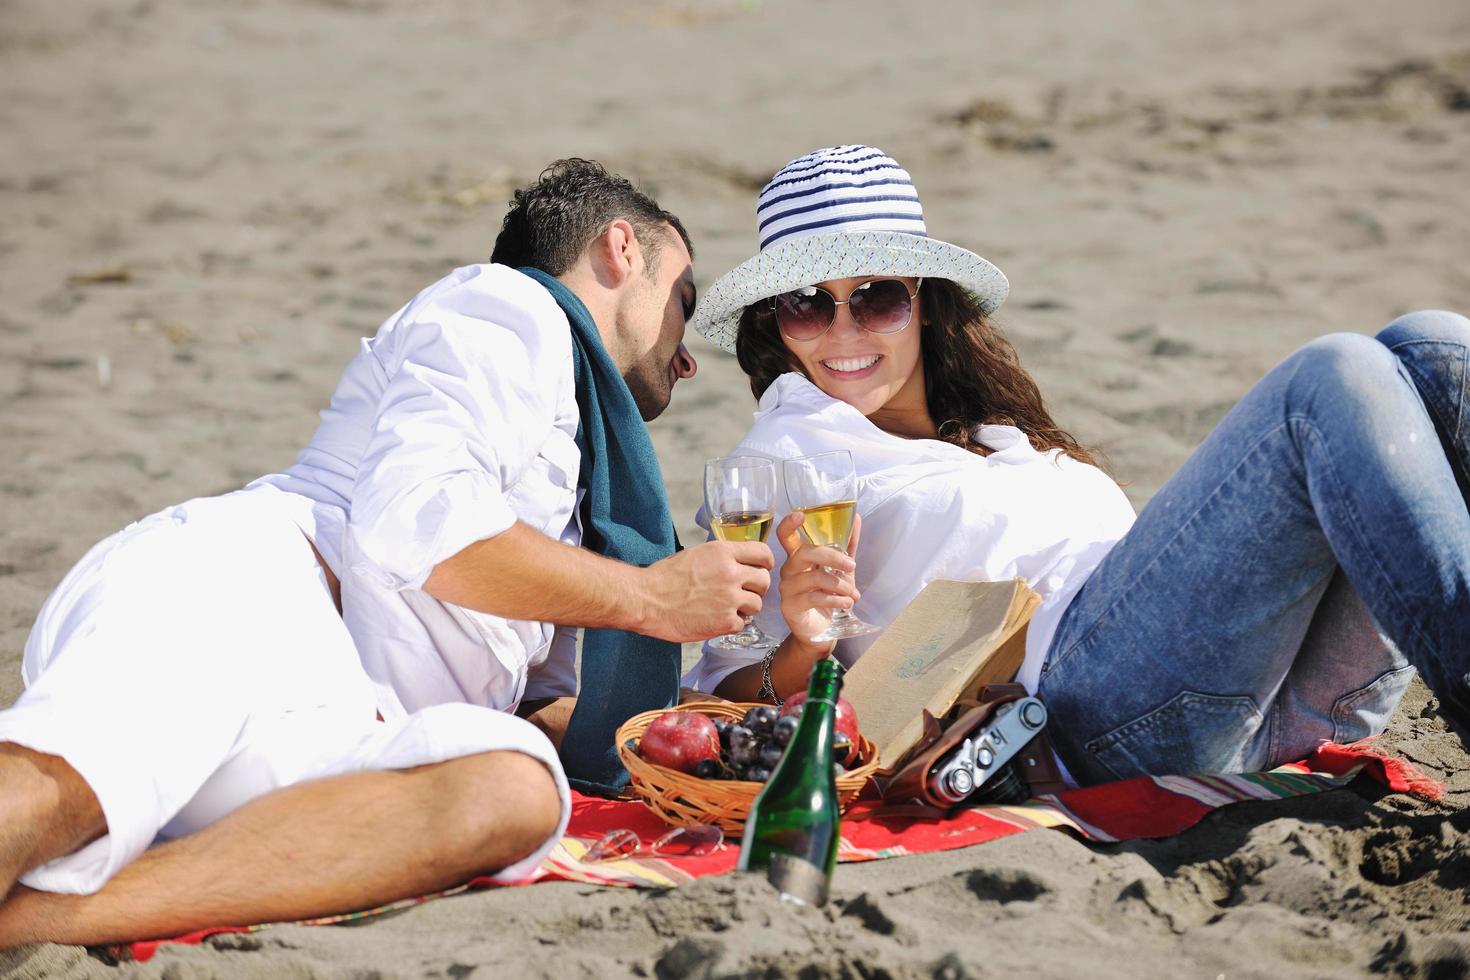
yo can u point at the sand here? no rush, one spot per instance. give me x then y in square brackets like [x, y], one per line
[204, 205]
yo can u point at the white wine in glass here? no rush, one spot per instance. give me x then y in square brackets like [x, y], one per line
[824, 488]
[830, 524]
[742, 526]
[740, 498]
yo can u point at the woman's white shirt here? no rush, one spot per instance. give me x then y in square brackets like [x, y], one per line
[457, 419]
[933, 510]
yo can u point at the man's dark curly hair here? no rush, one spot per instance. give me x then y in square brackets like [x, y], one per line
[553, 221]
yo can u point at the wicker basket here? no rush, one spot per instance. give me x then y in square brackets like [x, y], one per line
[683, 800]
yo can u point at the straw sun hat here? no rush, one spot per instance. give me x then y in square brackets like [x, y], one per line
[836, 213]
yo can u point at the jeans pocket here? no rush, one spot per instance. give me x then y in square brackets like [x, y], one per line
[1191, 732]
[1365, 712]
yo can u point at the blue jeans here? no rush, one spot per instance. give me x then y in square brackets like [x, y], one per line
[1280, 589]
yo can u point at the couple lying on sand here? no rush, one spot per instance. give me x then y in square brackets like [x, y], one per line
[310, 695]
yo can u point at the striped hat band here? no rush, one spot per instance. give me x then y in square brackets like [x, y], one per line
[838, 189]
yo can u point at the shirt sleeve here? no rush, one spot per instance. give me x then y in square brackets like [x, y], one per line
[556, 676]
[472, 371]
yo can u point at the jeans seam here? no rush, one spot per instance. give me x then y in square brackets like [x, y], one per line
[1465, 375]
[1272, 721]
[1464, 383]
[1149, 720]
[1351, 698]
[1143, 726]
[1183, 527]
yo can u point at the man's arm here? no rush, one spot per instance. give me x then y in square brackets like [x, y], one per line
[520, 573]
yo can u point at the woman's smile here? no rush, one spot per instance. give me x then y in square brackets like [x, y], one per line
[851, 368]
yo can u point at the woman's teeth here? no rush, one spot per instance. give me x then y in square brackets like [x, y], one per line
[849, 364]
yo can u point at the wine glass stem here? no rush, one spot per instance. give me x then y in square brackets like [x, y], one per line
[838, 615]
[748, 634]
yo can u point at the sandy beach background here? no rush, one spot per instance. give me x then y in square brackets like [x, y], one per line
[204, 205]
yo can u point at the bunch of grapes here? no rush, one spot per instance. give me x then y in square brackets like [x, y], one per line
[751, 747]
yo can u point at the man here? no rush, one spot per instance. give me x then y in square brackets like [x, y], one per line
[191, 678]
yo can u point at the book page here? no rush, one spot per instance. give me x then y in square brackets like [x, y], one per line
[933, 653]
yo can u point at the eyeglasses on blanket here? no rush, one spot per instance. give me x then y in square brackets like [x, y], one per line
[878, 306]
[696, 841]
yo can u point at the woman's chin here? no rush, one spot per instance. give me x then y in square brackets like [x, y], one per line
[866, 402]
[865, 406]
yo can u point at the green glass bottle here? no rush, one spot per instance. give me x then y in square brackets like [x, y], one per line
[793, 828]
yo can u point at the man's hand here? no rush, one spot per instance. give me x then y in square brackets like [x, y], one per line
[704, 591]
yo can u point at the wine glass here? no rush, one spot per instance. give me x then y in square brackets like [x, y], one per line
[740, 498]
[824, 488]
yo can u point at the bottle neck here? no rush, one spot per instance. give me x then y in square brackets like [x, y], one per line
[819, 710]
[825, 683]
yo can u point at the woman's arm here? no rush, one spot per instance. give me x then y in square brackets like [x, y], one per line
[790, 667]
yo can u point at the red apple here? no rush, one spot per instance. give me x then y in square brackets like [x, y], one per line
[680, 740]
[847, 722]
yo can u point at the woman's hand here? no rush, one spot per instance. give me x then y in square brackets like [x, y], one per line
[814, 582]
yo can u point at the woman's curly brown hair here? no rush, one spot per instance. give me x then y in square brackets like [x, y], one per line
[972, 375]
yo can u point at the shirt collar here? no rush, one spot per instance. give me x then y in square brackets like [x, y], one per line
[794, 394]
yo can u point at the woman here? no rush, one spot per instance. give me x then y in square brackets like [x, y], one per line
[1273, 594]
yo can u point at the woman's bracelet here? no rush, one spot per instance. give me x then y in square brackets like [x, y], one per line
[767, 690]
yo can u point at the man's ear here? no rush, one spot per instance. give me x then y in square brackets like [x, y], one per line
[617, 255]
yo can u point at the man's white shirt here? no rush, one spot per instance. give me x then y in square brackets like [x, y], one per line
[457, 419]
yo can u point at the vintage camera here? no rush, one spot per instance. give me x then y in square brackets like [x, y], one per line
[979, 769]
[993, 752]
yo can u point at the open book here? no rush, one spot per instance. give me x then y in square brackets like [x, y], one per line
[953, 639]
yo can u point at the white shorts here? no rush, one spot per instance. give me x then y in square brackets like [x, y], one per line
[194, 661]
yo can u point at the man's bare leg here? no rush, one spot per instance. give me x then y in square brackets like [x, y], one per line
[335, 845]
[46, 810]
[551, 715]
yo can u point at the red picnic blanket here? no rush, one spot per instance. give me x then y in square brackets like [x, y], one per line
[1145, 807]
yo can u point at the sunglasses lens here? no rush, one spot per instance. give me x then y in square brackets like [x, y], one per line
[613, 844]
[882, 306]
[694, 841]
[802, 314]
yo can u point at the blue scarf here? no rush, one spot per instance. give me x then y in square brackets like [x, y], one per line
[625, 516]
